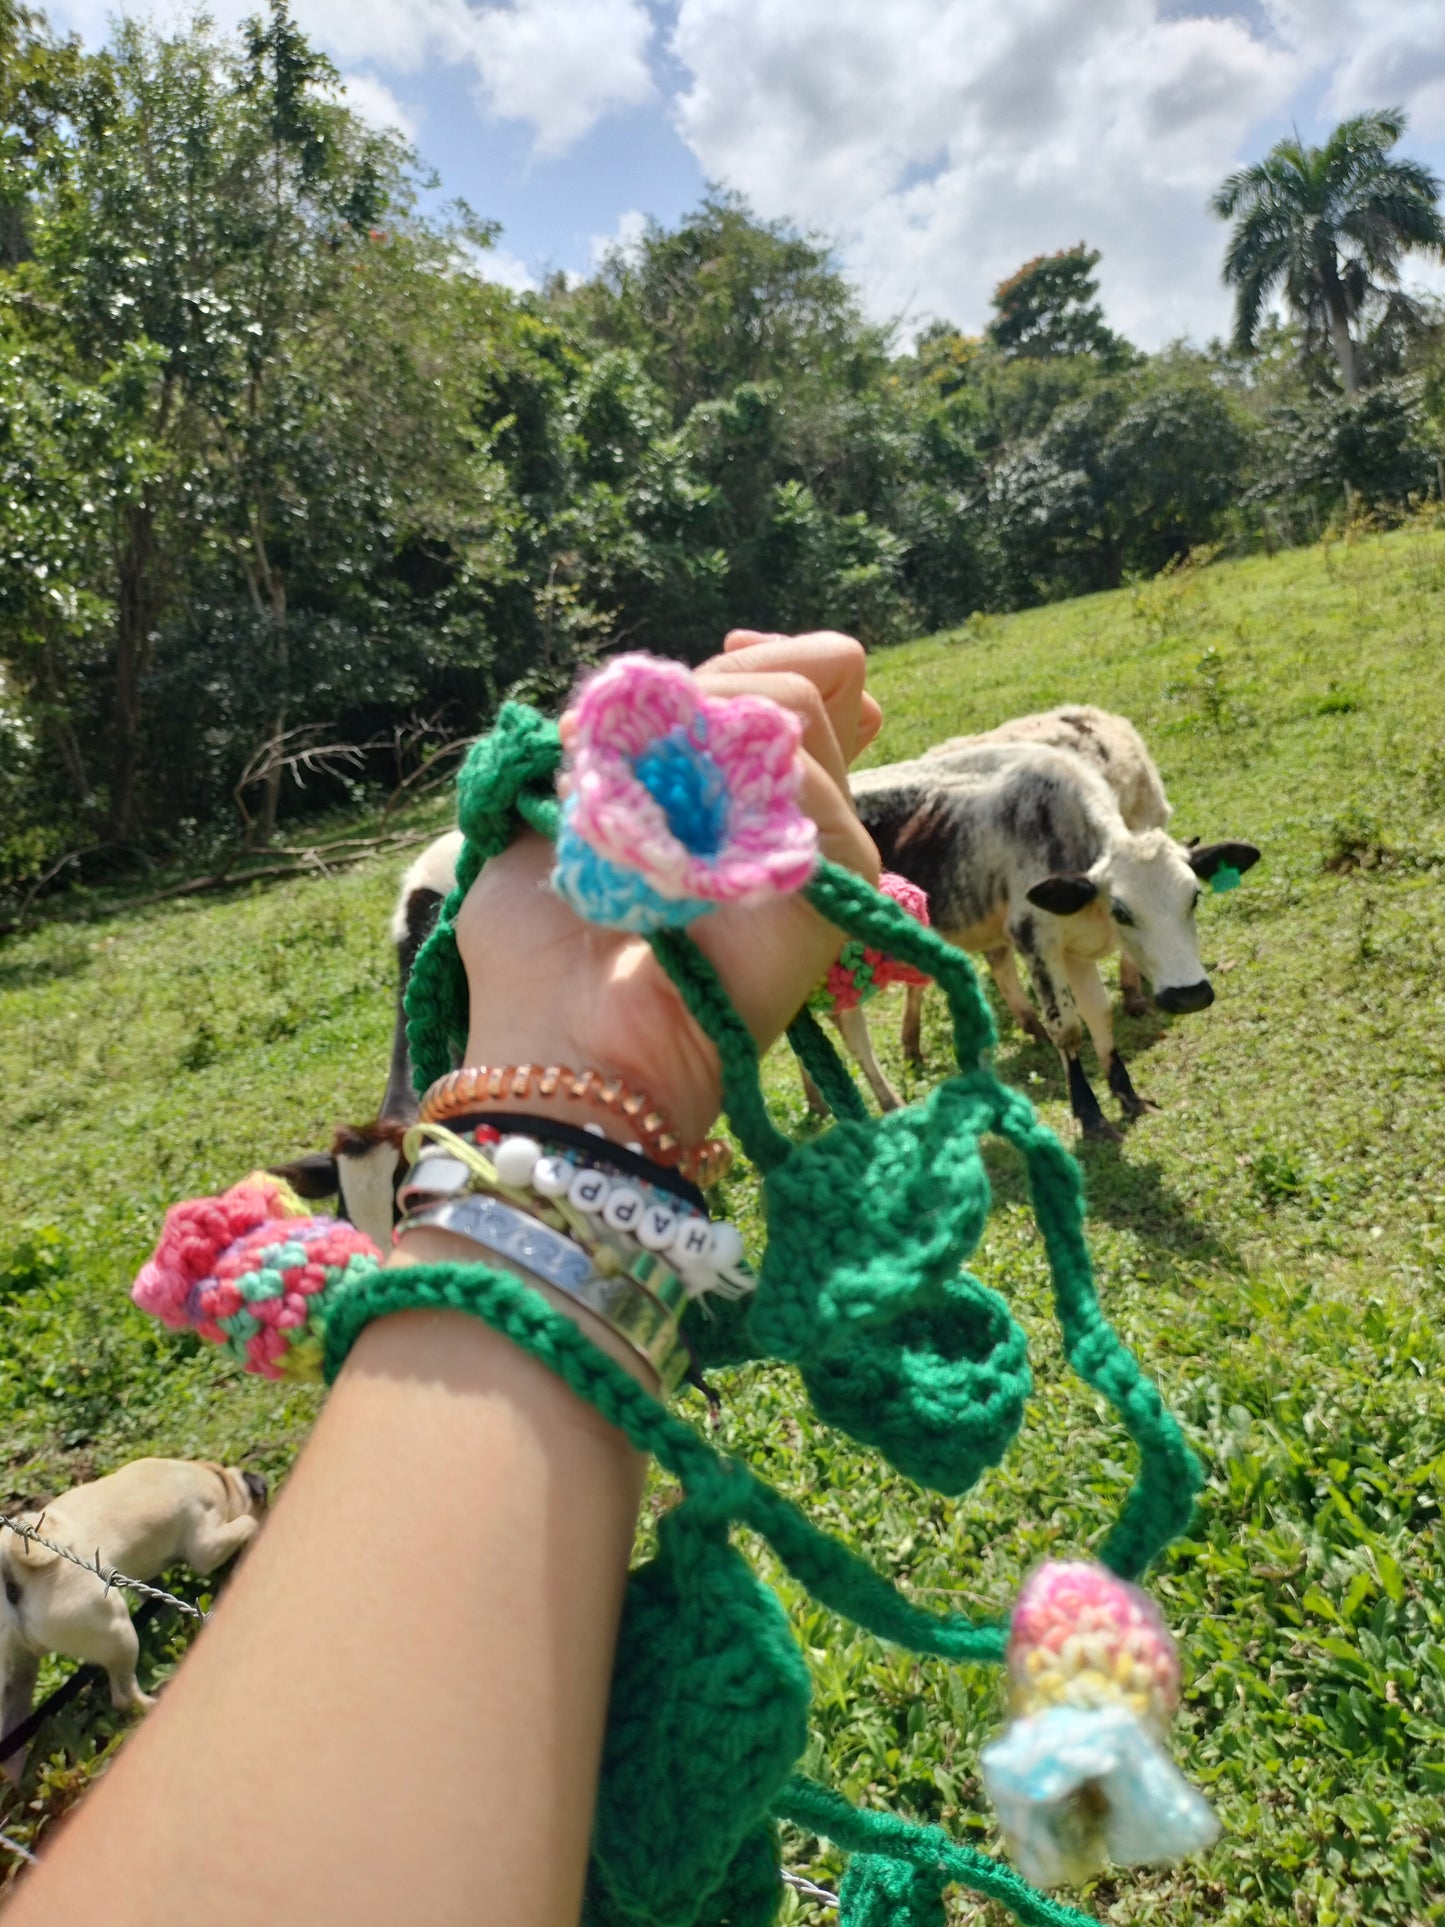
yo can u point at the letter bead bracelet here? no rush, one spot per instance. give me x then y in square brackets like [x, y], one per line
[614, 1216]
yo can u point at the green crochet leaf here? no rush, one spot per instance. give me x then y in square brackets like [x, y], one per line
[872, 1220]
[890, 1893]
[940, 1391]
[709, 1715]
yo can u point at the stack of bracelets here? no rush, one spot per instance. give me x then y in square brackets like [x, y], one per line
[624, 1237]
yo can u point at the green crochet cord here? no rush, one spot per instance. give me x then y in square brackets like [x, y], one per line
[862, 1287]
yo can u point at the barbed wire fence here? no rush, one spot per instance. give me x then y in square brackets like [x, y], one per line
[107, 1575]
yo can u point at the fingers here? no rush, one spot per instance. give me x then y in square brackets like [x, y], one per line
[835, 664]
[793, 691]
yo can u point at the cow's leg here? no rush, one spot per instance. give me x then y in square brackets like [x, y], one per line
[1049, 972]
[1093, 1002]
[913, 1023]
[1131, 987]
[817, 1103]
[854, 1027]
[1006, 976]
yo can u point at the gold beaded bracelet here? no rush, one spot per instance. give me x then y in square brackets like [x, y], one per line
[462, 1091]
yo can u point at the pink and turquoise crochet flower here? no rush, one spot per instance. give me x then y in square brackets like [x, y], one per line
[679, 802]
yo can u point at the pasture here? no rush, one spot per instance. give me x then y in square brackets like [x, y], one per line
[1271, 1241]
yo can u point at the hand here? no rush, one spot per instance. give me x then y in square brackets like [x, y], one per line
[548, 988]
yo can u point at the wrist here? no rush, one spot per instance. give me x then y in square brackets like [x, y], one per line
[425, 1245]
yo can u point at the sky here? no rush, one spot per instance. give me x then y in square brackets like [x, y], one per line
[937, 144]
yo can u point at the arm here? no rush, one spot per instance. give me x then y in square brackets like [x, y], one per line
[397, 1711]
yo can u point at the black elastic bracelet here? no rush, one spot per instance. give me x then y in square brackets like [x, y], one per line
[603, 1150]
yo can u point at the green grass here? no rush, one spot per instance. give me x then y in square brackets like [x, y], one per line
[1271, 1242]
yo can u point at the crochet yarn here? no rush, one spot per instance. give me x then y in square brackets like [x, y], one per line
[862, 1286]
[253, 1272]
[860, 973]
[678, 801]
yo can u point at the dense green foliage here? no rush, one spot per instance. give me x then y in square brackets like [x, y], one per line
[1272, 1241]
[290, 490]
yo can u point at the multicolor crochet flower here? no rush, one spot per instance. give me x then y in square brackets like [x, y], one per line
[1082, 1775]
[679, 801]
[860, 973]
[253, 1272]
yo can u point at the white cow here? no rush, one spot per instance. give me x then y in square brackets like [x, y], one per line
[1116, 749]
[1022, 847]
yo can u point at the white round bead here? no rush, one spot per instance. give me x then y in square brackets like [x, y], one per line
[594, 1130]
[725, 1245]
[514, 1161]
[655, 1227]
[588, 1191]
[552, 1177]
[623, 1208]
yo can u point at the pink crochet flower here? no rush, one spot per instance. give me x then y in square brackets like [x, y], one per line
[678, 801]
[860, 973]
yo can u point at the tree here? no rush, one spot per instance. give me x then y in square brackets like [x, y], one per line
[1327, 225]
[1049, 307]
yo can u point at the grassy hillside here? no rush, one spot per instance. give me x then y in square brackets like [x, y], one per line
[1272, 1241]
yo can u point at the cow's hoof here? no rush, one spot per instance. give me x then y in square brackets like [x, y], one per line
[1033, 1028]
[1135, 1003]
[1140, 1107]
[1100, 1131]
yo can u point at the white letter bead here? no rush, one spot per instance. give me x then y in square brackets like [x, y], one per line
[588, 1191]
[514, 1161]
[623, 1208]
[691, 1240]
[552, 1177]
[726, 1245]
[655, 1228]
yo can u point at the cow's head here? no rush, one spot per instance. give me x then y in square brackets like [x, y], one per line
[1149, 886]
[361, 1171]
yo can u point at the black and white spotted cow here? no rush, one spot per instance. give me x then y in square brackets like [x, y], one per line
[1118, 752]
[364, 1162]
[1023, 848]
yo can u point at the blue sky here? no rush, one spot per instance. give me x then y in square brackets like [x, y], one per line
[938, 143]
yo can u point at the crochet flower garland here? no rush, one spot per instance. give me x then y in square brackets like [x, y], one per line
[677, 802]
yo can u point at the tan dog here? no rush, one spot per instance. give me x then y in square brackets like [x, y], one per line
[151, 1514]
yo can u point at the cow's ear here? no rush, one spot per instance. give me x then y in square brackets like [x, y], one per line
[1063, 896]
[314, 1176]
[1210, 857]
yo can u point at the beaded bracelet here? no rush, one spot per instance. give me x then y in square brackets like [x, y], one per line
[464, 1090]
[602, 1212]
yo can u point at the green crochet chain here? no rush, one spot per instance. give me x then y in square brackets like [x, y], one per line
[862, 1288]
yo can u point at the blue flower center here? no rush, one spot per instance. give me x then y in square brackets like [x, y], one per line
[677, 772]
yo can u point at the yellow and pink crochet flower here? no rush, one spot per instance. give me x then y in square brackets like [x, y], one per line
[1082, 1775]
[678, 802]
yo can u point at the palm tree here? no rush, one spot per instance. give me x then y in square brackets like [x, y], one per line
[1330, 223]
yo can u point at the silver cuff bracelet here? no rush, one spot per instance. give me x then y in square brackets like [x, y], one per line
[642, 1302]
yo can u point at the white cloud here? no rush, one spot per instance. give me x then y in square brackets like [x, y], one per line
[945, 144]
[626, 238]
[508, 270]
[558, 66]
[378, 105]
[562, 67]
